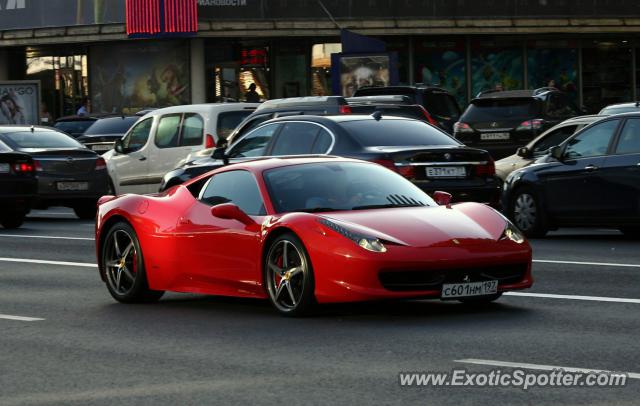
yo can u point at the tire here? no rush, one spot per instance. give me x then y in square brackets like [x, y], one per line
[123, 264]
[289, 282]
[13, 220]
[631, 232]
[86, 211]
[526, 213]
[481, 300]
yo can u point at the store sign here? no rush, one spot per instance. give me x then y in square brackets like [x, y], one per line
[20, 102]
[21, 14]
[253, 57]
[161, 18]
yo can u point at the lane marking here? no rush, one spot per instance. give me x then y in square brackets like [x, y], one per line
[574, 297]
[539, 367]
[47, 237]
[19, 318]
[551, 261]
[45, 262]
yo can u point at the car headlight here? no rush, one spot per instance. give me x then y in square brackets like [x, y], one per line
[368, 243]
[512, 233]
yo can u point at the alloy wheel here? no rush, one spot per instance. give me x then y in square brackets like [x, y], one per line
[286, 275]
[121, 262]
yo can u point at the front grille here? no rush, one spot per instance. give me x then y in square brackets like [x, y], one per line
[408, 280]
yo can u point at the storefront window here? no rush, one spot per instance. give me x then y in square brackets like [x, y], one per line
[553, 64]
[401, 47]
[291, 64]
[442, 63]
[606, 73]
[321, 67]
[254, 70]
[496, 65]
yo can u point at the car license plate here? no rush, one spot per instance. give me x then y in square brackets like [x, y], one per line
[102, 147]
[4, 168]
[446, 172]
[494, 136]
[456, 290]
[73, 186]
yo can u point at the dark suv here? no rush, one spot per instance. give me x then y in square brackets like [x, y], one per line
[441, 106]
[502, 121]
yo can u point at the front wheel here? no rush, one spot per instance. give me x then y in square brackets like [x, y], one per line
[288, 276]
[526, 213]
[123, 265]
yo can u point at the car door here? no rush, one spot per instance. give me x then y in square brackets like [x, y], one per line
[573, 189]
[255, 144]
[621, 174]
[554, 137]
[227, 252]
[129, 170]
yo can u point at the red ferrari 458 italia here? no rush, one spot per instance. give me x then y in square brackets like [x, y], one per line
[307, 230]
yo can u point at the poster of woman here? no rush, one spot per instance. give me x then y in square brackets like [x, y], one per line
[20, 102]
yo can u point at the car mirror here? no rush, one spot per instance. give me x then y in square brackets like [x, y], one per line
[556, 152]
[442, 198]
[524, 152]
[229, 211]
[220, 153]
[119, 147]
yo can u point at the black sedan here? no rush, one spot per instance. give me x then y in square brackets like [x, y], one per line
[18, 186]
[592, 179]
[68, 173]
[104, 132]
[427, 156]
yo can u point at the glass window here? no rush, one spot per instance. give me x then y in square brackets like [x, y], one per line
[493, 110]
[390, 132]
[629, 142]
[228, 121]
[138, 136]
[606, 73]
[560, 107]
[237, 187]
[74, 128]
[594, 141]
[442, 63]
[340, 186]
[496, 65]
[553, 64]
[254, 143]
[192, 130]
[553, 138]
[321, 68]
[323, 142]
[291, 69]
[442, 105]
[39, 139]
[295, 139]
[112, 125]
[168, 131]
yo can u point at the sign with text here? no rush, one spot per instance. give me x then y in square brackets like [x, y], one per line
[20, 102]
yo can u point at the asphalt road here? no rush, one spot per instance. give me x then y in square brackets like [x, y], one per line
[190, 349]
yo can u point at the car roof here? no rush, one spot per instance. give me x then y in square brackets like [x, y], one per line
[627, 104]
[583, 119]
[267, 163]
[344, 118]
[299, 102]
[11, 128]
[515, 94]
[203, 108]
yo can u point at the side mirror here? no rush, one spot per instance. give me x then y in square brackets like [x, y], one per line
[229, 211]
[524, 152]
[118, 146]
[219, 153]
[556, 152]
[442, 198]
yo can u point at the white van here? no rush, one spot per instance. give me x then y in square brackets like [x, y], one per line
[163, 137]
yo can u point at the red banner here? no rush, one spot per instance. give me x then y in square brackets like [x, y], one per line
[153, 17]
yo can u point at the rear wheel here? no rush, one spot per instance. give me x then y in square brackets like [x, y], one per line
[288, 276]
[86, 210]
[123, 265]
[12, 220]
[526, 213]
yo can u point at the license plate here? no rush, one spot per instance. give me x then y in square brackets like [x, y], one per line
[446, 172]
[456, 290]
[495, 136]
[4, 168]
[101, 147]
[74, 186]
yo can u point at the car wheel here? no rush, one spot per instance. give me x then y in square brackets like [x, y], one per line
[13, 220]
[480, 300]
[86, 211]
[123, 265]
[633, 233]
[288, 276]
[526, 213]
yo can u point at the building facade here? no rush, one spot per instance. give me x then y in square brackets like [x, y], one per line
[80, 48]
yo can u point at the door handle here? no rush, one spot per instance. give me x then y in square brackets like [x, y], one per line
[142, 158]
[590, 168]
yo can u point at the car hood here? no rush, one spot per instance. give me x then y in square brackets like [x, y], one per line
[467, 223]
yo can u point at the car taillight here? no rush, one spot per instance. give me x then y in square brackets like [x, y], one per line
[345, 109]
[387, 163]
[101, 164]
[24, 168]
[406, 171]
[487, 169]
[461, 127]
[534, 124]
[210, 142]
[430, 119]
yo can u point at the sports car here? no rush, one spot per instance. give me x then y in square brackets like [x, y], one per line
[302, 231]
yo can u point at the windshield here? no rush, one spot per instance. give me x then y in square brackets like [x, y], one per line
[618, 110]
[333, 186]
[114, 125]
[390, 132]
[40, 139]
[492, 110]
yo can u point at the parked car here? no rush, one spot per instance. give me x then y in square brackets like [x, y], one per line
[103, 133]
[620, 108]
[441, 106]
[526, 155]
[501, 122]
[591, 179]
[74, 126]
[68, 173]
[163, 137]
[420, 152]
[18, 186]
[399, 106]
[302, 231]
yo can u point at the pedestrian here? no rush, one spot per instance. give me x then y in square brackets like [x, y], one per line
[252, 96]
[84, 109]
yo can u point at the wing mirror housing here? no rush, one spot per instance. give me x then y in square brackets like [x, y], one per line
[556, 152]
[524, 152]
[229, 211]
[118, 146]
[219, 153]
[442, 198]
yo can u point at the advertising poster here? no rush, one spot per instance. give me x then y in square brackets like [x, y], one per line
[20, 102]
[130, 77]
[443, 63]
[363, 71]
[496, 69]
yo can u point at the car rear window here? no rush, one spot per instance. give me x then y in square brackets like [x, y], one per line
[228, 121]
[490, 110]
[390, 132]
[40, 139]
[113, 125]
[441, 104]
[74, 127]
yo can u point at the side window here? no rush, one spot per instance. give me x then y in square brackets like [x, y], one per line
[228, 121]
[323, 142]
[629, 142]
[295, 139]
[138, 136]
[254, 143]
[168, 131]
[594, 141]
[237, 187]
[192, 130]
[556, 137]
